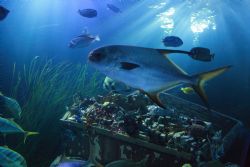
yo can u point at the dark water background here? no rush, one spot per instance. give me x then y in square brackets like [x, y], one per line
[44, 28]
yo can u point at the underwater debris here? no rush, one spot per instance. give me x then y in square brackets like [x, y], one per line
[9, 108]
[68, 135]
[196, 131]
[94, 154]
[183, 134]
[157, 111]
[216, 145]
[130, 125]
[10, 158]
[151, 123]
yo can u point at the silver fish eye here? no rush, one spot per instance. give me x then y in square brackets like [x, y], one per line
[96, 57]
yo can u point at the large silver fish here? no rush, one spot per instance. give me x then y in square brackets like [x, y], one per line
[149, 70]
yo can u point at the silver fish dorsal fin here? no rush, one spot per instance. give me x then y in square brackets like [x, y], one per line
[165, 53]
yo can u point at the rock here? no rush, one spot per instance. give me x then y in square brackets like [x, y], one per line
[178, 135]
[161, 120]
[161, 127]
[148, 121]
[197, 131]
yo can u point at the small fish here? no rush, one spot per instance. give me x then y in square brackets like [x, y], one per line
[197, 53]
[9, 108]
[89, 13]
[10, 158]
[83, 40]
[202, 54]
[172, 41]
[114, 8]
[3, 12]
[10, 127]
[187, 90]
[148, 70]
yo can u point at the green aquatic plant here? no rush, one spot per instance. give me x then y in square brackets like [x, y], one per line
[46, 88]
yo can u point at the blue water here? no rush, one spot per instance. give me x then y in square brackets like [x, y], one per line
[45, 27]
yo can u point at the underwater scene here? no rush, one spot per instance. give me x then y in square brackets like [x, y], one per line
[124, 83]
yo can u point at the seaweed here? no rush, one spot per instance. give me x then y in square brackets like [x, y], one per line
[45, 87]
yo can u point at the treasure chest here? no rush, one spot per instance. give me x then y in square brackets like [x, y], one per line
[186, 133]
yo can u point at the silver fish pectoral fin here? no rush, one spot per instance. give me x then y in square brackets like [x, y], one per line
[155, 97]
[128, 65]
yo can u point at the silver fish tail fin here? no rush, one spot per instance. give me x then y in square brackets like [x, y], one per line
[200, 80]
